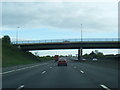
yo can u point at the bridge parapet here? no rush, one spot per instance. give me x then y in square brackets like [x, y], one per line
[67, 40]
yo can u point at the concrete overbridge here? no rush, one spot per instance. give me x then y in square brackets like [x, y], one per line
[110, 43]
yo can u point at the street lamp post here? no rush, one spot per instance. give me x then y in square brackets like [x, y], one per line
[81, 42]
[81, 32]
[17, 35]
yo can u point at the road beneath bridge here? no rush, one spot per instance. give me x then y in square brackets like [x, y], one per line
[87, 74]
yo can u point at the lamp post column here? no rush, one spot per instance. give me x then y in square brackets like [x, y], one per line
[17, 35]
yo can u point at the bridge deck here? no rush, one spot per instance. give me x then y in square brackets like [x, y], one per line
[67, 41]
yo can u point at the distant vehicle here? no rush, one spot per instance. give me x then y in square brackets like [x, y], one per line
[83, 59]
[62, 62]
[56, 57]
[94, 59]
[66, 41]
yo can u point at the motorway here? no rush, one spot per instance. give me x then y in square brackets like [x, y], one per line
[49, 75]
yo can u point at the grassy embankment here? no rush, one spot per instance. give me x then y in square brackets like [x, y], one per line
[11, 56]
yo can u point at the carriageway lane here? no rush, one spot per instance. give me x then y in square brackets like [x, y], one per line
[99, 73]
[49, 75]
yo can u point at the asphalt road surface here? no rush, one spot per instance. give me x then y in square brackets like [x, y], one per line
[49, 75]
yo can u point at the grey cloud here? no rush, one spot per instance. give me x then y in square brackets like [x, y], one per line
[59, 15]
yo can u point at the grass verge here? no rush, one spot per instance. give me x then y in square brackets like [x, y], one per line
[12, 56]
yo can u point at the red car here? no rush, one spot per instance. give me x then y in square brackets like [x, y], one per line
[62, 62]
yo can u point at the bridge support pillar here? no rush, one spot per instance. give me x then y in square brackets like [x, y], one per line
[80, 54]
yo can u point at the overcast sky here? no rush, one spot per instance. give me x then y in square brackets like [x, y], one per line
[61, 15]
[59, 20]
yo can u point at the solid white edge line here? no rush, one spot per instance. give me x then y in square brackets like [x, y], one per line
[7, 72]
[105, 87]
[21, 69]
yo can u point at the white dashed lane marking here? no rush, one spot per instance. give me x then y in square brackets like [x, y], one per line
[105, 87]
[19, 88]
[43, 72]
[75, 67]
[81, 71]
